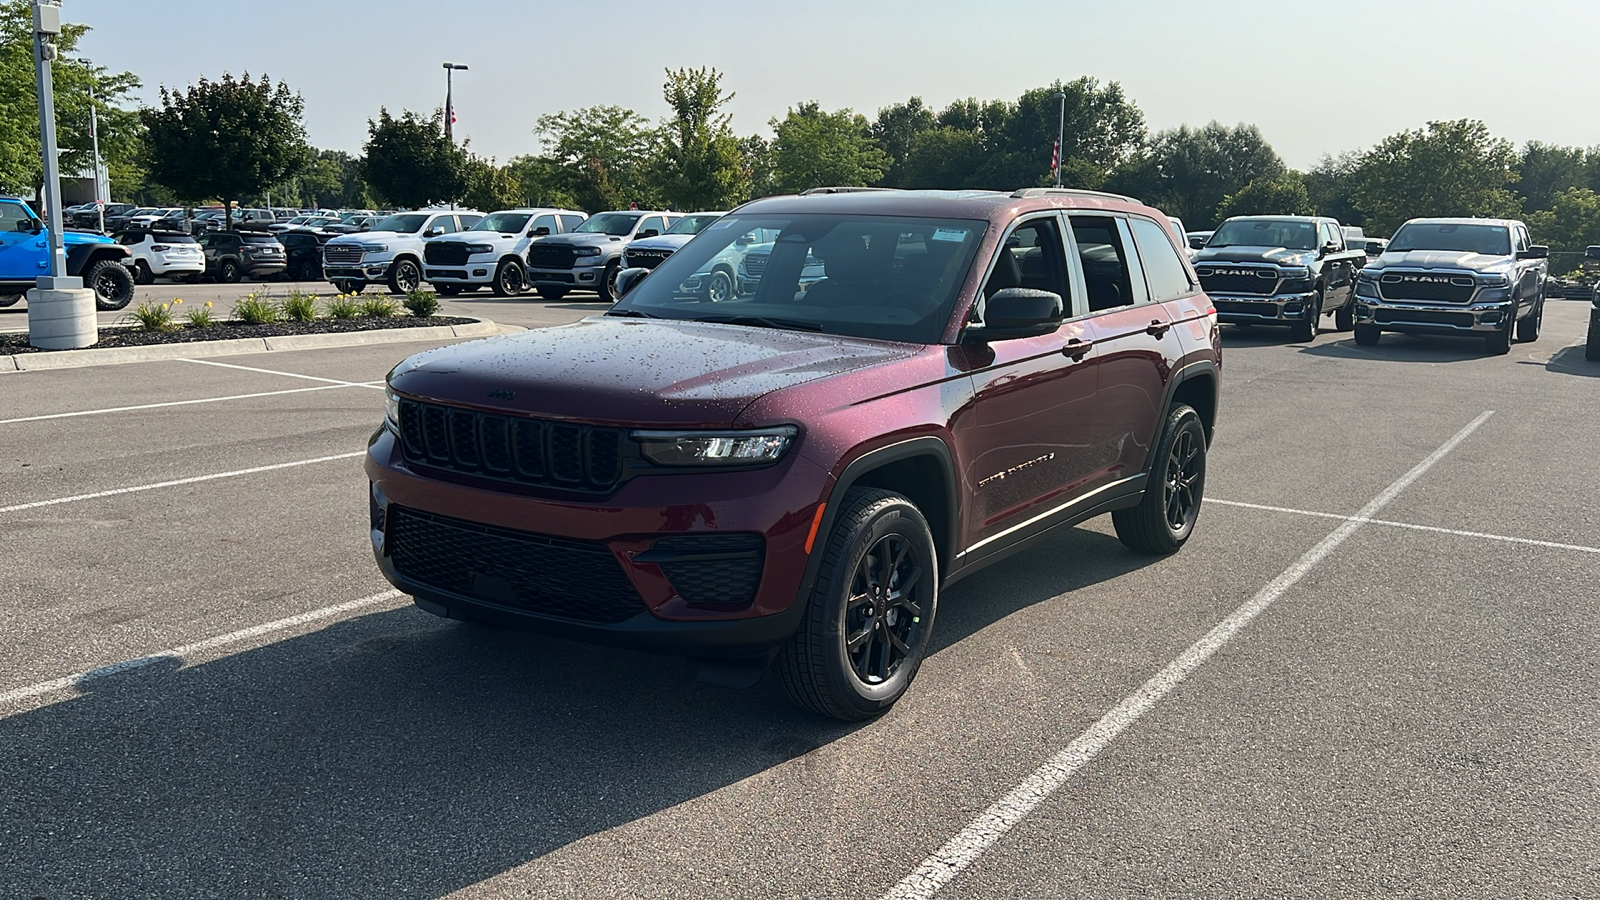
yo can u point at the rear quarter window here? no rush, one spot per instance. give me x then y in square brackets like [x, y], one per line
[1164, 271]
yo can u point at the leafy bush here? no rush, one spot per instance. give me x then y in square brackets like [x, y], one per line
[255, 310]
[201, 317]
[154, 316]
[343, 306]
[300, 306]
[422, 303]
[379, 307]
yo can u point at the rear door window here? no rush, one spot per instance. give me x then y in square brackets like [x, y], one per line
[1108, 270]
[652, 223]
[1164, 272]
[570, 222]
[468, 220]
[547, 222]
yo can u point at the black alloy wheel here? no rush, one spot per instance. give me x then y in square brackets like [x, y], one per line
[607, 288]
[112, 284]
[1170, 507]
[509, 279]
[720, 286]
[228, 272]
[870, 615]
[404, 276]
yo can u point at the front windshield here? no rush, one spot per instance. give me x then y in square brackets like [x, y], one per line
[1285, 233]
[405, 223]
[608, 223]
[881, 277]
[692, 224]
[503, 222]
[1491, 240]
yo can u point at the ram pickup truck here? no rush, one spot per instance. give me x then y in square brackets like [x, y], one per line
[494, 252]
[1455, 276]
[392, 251]
[1281, 270]
[591, 256]
[25, 255]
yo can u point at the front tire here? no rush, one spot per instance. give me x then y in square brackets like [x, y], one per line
[1344, 318]
[1591, 349]
[349, 287]
[1498, 343]
[404, 276]
[720, 286]
[112, 284]
[1305, 330]
[1367, 335]
[870, 615]
[510, 279]
[1528, 329]
[607, 288]
[448, 290]
[1167, 513]
[552, 293]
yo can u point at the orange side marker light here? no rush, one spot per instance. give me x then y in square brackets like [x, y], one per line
[816, 522]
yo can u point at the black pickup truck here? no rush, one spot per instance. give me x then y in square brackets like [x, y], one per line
[1482, 277]
[1281, 270]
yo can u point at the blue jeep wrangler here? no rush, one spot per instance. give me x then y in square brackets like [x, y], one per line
[25, 255]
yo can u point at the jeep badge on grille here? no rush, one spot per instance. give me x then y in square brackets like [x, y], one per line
[502, 394]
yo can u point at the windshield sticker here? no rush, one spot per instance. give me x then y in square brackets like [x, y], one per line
[950, 234]
[714, 226]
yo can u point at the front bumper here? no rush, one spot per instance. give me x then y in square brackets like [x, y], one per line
[1254, 309]
[778, 503]
[473, 271]
[366, 270]
[1436, 318]
[580, 275]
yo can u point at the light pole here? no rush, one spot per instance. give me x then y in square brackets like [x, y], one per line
[61, 314]
[449, 100]
[100, 197]
[1061, 133]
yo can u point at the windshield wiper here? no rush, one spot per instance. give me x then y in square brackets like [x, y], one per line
[630, 314]
[762, 322]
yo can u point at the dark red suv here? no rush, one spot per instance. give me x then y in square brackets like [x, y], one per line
[910, 386]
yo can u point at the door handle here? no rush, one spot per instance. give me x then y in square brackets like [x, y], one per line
[1158, 329]
[1076, 349]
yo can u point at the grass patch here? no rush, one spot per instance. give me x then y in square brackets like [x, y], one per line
[422, 303]
[154, 316]
[343, 306]
[200, 317]
[379, 307]
[300, 306]
[254, 310]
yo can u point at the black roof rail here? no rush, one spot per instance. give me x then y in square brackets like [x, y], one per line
[842, 190]
[1027, 193]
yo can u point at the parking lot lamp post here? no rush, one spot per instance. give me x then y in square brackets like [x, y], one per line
[1061, 134]
[449, 100]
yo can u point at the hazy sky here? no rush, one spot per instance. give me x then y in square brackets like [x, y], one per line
[1316, 77]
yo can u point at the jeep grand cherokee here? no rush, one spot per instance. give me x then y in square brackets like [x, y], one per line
[795, 473]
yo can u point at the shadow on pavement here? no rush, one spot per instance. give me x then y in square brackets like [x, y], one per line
[1397, 347]
[402, 756]
[1569, 361]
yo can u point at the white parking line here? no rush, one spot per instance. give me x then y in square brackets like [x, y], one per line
[118, 409]
[179, 481]
[376, 385]
[1553, 545]
[983, 832]
[180, 654]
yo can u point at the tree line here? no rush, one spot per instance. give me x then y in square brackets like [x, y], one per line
[242, 139]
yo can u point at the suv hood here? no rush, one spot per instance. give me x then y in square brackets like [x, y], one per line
[1442, 259]
[69, 237]
[584, 240]
[475, 237]
[1277, 255]
[661, 242]
[644, 372]
[373, 237]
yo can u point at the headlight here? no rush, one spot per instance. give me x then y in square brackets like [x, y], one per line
[715, 448]
[587, 251]
[391, 409]
[374, 248]
[1494, 281]
[1294, 272]
[480, 248]
[1366, 275]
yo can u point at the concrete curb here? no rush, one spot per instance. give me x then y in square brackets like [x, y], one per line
[74, 359]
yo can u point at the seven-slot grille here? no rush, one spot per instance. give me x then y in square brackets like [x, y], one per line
[1427, 286]
[549, 576]
[445, 253]
[510, 448]
[645, 259]
[341, 255]
[755, 264]
[551, 256]
[1238, 280]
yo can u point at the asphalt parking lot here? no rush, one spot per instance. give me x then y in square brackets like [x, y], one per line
[1371, 672]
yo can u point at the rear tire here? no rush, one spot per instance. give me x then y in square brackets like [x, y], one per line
[1367, 335]
[870, 615]
[1167, 513]
[552, 293]
[112, 284]
[228, 272]
[142, 273]
[9, 300]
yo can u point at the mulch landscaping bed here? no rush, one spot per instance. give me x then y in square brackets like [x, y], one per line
[222, 331]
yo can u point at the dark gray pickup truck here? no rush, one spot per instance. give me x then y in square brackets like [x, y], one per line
[1281, 270]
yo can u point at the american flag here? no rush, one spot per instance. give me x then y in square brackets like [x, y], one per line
[1055, 157]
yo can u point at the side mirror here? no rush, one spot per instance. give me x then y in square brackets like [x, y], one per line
[541, 231]
[628, 279]
[1374, 248]
[745, 240]
[1537, 251]
[1018, 313]
[435, 231]
[1329, 247]
[30, 226]
[1197, 243]
[648, 233]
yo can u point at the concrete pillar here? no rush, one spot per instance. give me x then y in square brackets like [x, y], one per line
[62, 319]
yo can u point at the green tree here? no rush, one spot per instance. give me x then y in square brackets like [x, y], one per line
[225, 139]
[1545, 170]
[543, 181]
[1284, 195]
[490, 187]
[1329, 185]
[897, 129]
[815, 148]
[334, 180]
[1445, 169]
[608, 150]
[700, 164]
[410, 162]
[757, 153]
[21, 159]
[1570, 224]
[1187, 172]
